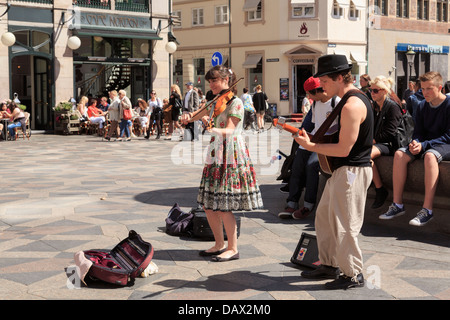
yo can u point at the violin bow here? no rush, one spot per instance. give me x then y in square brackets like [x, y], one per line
[207, 104]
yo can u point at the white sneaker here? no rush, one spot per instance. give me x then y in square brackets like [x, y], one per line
[422, 218]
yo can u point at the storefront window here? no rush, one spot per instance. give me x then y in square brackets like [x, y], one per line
[85, 49]
[199, 67]
[141, 48]
[40, 41]
[256, 76]
[101, 46]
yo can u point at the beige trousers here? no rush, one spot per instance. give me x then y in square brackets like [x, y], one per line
[339, 218]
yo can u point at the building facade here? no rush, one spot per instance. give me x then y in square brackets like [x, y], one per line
[277, 43]
[273, 43]
[419, 27]
[58, 50]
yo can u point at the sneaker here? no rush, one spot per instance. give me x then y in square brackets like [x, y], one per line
[285, 188]
[423, 216]
[287, 213]
[344, 282]
[380, 197]
[392, 212]
[301, 213]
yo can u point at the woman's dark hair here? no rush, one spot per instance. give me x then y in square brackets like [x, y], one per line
[222, 72]
[447, 87]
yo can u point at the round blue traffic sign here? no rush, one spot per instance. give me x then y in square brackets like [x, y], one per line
[216, 59]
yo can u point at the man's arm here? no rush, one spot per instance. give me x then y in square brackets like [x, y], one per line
[353, 114]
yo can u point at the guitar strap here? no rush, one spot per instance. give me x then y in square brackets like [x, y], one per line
[320, 133]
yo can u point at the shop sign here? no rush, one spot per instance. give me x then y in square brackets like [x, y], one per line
[303, 61]
[112, 21]
[404, 47]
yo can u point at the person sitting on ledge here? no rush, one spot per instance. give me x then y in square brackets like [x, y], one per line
[431, 141]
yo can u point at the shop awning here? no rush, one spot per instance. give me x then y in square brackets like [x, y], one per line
[357, 57]
[122, 33]
[252, 61]
[300, 2]
[343, 3]
[251, 5]
[359, 4]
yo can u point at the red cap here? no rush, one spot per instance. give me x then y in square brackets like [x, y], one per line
[311, 83]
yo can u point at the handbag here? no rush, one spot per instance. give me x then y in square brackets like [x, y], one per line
[178, 222]
[127, 114]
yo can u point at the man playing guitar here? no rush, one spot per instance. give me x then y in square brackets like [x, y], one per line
[340, 212]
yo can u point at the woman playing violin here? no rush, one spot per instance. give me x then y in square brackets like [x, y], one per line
[228, 180]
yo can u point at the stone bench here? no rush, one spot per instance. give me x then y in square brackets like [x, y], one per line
[414, 187]
[413, 196]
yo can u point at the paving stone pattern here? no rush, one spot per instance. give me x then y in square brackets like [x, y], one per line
[62, 194]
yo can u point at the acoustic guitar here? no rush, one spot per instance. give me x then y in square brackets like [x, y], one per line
[331, 136]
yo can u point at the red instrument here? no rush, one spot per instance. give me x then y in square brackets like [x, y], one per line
[219, 104]
[325, 162]
[281, 124]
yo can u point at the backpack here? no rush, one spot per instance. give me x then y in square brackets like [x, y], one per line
[405, 130]
[178, 222]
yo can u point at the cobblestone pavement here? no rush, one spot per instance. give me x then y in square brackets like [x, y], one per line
[62, 194]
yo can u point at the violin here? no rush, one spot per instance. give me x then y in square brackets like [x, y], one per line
[219, 104]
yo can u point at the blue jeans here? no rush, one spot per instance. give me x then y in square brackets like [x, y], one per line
[125, 126]
[305, 174]
[11, 128]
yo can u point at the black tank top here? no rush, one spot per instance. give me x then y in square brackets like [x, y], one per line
[359, 155]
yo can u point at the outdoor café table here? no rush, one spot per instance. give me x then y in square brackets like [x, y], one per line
[5, 122]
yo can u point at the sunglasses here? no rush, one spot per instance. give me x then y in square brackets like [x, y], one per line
[315, 91]
[376, 91]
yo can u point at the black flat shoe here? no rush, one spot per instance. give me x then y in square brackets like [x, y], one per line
[220, 259]
[344, 283]
[205, 253]
[322, 272]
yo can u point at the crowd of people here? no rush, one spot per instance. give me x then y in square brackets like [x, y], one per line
[161, 116]
[428, 101]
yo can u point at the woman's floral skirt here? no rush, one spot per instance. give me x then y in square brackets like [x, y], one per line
[229, 181]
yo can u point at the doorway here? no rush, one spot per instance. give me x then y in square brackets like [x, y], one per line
[301, 74]
[30, 81]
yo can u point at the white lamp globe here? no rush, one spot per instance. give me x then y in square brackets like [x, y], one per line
[144, 48]
[73, 42]
[8, 39]
[171, 47]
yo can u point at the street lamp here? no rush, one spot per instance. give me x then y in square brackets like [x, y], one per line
[171, 47]
[410, 56]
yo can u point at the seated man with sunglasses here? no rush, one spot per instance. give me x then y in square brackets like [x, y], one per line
[305, 169]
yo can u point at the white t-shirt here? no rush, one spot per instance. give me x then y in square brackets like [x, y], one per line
[320, 111]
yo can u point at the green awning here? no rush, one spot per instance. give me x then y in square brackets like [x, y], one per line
[119, 33]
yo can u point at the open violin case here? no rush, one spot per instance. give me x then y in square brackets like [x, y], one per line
[123, 263]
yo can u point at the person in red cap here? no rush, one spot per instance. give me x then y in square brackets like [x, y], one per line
[305, 169]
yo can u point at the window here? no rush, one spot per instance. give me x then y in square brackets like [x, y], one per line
[338, 11]
[305, 10]
[353, 12]
[381, 7]
[197, 17]
[442, 10]
[402, 8]
[178, 68]
[423, 9]
[255, 15]
[221, 16]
